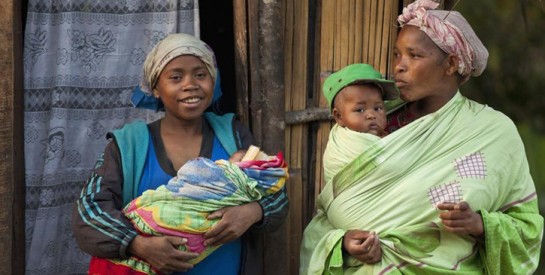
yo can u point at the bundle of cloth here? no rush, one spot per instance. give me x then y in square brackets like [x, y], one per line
[202, 186]
[465, 151]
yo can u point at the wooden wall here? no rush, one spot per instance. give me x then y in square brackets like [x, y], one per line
[283, 51]
[352, 31]
[321, 37]
[12, 185]
[298, 62]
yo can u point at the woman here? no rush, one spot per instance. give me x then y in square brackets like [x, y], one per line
[179, 72]
[449, 191]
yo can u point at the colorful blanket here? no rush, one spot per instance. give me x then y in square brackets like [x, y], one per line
[464, 151]
[180, 207]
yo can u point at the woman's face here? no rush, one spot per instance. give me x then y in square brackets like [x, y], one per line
[419, 66]
[186, 87]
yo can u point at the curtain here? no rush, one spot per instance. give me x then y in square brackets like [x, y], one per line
[82, 58]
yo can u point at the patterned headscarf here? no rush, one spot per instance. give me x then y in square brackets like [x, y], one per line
[172, 46]
[451, 32]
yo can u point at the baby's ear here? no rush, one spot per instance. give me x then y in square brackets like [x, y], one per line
[336, 114]
[155, 93]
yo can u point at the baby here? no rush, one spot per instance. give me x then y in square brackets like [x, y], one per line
[355, 95]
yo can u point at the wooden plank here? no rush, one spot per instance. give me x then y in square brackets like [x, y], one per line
[330, 39]
[387, 24]
[378, 33]
[359, 34]
[342, 58]
[314, 94]
[327, 30]
[351, 30]
[12, 184]
[392, 37]
[296, 135]
[267, 103]
[289, 33]
[338, 30]
[367, 30]
[372, 32]
[241, 60]
[255, 99]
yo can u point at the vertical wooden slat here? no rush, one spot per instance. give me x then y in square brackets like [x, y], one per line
[366, 31]
[372, 32]
[296, 74]
[343, 46]
[387, 24]
[351, 30]
[12, 185]
[338, 29]
[267, 106]
[329, 36]
[378, 33]
[358, 29]
[254, 65]
[240, 17]
[392, 36]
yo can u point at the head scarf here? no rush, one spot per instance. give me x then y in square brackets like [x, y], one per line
[169, 48]
[172, 46]
[451, 32]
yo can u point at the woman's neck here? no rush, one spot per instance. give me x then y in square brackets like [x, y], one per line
[430, 105]
[172, 125]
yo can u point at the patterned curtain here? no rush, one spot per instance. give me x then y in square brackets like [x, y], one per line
[82, 58]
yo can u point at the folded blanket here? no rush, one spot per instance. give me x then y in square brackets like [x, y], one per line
[180, 207]
[464, 151]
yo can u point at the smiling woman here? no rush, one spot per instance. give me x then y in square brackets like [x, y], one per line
[180, 72]
[185, 87]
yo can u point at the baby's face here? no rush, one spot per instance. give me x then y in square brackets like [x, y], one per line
[361, 109]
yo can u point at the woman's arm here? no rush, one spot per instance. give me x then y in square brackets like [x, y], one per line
[512, 239]
[274, 208]
[101, 229]
[99, 226]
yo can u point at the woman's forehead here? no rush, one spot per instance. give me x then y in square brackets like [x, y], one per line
[413, 38]
[185, 62]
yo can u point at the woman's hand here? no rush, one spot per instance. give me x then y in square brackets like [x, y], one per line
[235, 220]
[363, 245]
[161, 253]
[460, 219]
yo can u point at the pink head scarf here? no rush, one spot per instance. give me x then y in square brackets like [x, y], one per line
[451, 32]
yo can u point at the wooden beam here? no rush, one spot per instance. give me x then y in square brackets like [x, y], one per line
[240, 17]
[12, 184]
[267, 105]
[308, 115]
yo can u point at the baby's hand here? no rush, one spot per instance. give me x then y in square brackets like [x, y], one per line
[237, 156]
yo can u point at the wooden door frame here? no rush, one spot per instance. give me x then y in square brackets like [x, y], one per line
[12, 183]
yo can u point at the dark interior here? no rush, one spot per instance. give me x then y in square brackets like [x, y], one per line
[217, 31]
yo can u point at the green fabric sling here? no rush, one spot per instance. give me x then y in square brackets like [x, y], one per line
[464, 151]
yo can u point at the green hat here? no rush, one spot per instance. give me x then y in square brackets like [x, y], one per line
[357, 74]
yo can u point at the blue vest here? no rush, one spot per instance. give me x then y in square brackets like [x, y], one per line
[141, 172]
